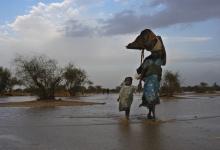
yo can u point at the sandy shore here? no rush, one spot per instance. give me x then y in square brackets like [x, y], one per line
[48, 103]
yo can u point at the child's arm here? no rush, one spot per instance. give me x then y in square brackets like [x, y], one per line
[135, 88]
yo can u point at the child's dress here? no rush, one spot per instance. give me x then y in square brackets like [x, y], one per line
[126, 97]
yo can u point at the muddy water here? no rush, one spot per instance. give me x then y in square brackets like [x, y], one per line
[187, 123]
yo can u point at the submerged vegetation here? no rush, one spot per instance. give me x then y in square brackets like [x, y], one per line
[170, 84]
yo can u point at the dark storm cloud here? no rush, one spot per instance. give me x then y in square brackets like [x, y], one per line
[123, 22]
[74, 28]
[173, 12]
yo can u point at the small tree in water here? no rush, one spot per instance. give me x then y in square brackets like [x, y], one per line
[39, 73]
[5, 76]
[7, 81]
[75, 79]
[170, 83]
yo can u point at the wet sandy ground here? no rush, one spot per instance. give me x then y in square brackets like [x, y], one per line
[183, 124]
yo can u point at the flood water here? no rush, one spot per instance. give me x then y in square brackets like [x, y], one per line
[186, 123]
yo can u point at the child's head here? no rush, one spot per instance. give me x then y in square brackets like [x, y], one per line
[128, 81]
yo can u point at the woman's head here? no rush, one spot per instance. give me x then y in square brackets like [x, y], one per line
[128, 81]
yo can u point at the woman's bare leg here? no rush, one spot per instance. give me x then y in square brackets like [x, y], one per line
[153, 112]
[149, 113]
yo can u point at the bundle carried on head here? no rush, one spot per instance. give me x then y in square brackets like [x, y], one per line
[149, 41]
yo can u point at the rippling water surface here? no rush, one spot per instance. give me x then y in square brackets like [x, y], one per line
[186, 123]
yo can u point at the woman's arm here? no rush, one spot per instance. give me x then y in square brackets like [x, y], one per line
[143, 69]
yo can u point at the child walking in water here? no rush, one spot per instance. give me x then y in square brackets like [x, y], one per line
[126, 96]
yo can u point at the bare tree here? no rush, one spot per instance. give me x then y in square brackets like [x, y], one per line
[39, 73]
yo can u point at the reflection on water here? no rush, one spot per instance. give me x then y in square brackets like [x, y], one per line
[151, 136]
[142, 136]
[5, 99]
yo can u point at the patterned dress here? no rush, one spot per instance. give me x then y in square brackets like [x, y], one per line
[151, 82]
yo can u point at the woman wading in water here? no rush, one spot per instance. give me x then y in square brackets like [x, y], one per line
[150, 70]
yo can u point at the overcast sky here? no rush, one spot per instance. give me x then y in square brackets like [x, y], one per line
[93, 34]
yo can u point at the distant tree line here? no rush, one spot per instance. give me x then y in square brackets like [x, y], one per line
[203, 87]
[43, 77]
